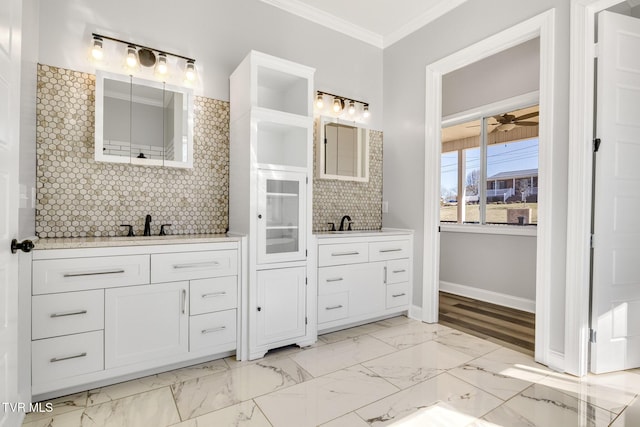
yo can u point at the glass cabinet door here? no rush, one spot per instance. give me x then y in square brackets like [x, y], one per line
[281, 225]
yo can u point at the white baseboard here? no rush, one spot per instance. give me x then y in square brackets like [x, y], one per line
[489, 296]
[415, 312]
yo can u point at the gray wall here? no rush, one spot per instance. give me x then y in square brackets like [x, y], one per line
[404, 123]
[512, 72]
[218, 34]
[496, 263]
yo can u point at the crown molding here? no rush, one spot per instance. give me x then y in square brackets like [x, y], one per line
[328, 20]
[423, 19]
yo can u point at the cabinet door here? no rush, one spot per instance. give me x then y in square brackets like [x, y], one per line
[145, 323]
[281, 304]
[281, 216]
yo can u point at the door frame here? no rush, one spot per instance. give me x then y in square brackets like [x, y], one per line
[543, 26]
[581, 125]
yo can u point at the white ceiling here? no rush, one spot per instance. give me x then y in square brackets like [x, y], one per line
[377, 22]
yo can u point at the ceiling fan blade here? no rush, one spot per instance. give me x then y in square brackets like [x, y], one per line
[528, 116]
[527, 123]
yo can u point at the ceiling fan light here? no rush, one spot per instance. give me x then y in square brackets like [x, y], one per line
[506, 127]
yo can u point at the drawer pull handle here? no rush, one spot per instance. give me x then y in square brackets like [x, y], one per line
[337, 279]
[345, 253]
[390, 250]
[93, 273]
[398, 295]
[218, 329]
[197, 265]
[334, 307]
[75, 356]
[184, 301]
[214, 294]
[68, 313]
[399, 271]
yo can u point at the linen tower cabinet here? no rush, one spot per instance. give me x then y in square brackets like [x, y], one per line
[270, 195]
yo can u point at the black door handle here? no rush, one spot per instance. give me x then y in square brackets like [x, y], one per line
[24, 246]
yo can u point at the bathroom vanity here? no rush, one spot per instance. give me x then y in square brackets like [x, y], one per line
[110, 309]
[363, 276]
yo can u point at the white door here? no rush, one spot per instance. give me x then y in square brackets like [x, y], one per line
[281, 302]
[281, 213]
[616, 253]
[145, 323]
[10, 15]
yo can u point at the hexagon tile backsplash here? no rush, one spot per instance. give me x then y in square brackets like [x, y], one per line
[78, 197]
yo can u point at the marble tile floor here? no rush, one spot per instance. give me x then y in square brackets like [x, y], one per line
[396, 372]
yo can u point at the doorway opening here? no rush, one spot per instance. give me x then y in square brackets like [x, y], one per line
[540, 26]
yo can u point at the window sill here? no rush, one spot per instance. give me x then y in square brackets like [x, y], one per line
[509, 230]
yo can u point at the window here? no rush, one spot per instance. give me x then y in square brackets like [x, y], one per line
[491, 177]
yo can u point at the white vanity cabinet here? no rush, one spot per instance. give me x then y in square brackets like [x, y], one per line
[270, 195]
[104, 314]
[363, 276]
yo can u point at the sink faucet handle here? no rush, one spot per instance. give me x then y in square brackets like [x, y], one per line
[162, 232]
[130, 232]
[333, 226]
[349, 226]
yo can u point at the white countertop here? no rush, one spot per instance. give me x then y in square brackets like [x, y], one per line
[105, 242]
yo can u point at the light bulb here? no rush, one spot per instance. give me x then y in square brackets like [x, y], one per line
[319, 101]
[352, 108]
[366, 113]
[132, 57]
[337, 106]
[96, 49]
[161, 65]
[190, 70]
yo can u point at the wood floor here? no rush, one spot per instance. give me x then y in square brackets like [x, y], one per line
[503, 325]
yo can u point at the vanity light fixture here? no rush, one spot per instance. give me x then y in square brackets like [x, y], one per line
[132, 57]
[161, 65]
[96, 48]
[137, 55]
[190, 70]
[339, 103]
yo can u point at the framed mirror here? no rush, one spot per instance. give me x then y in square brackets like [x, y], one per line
[343, 150]
[143, 122]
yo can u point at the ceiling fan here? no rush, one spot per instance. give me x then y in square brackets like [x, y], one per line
[506, 122]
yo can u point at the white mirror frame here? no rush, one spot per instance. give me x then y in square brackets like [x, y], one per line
[320, 151]
[99, 122]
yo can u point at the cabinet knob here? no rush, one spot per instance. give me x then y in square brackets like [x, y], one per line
[259, 216]
[259, 308]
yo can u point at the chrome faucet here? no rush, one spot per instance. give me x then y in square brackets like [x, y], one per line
[348, 219]
[147, 226]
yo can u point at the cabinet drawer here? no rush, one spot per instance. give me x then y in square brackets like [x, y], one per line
[333, 307]
[342, 253]
[213, 330]
[68, 356]
[173, 267]
[67, 313]
[213, 294]
[397, 295]
[397, 271]
[80, 274]
[382, 251]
